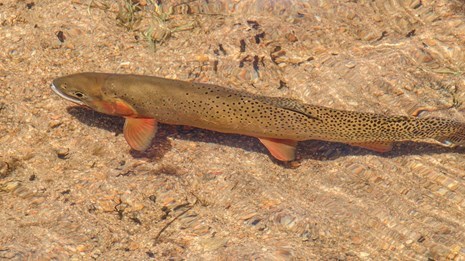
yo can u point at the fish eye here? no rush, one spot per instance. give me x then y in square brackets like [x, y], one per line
[79, 94]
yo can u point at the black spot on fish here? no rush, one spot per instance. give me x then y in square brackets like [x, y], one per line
[136, 220]
[242, 45]
[220, 46]
[282, 84]
[255, 63]
[150, 254]
[411, 33]
[254, 24]
[258, 37]
[245, 59]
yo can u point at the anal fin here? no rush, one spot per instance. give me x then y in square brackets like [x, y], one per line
[281, 149]
[139, 132]
[374, 146]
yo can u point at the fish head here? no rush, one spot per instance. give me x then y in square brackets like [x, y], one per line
[87, 89]
[82, 88]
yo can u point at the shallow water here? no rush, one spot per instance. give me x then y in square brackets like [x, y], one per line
[70, 187]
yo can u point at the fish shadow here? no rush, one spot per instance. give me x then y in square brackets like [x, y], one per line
[306, 150]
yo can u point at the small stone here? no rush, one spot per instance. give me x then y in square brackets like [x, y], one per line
[62, 153]
[248, 216]
[82, 248]
[7, 253]
[202, 58]
[137, 206]
[26, 193]
[168, 202]
[291, 37]
[453, 185]
[9, 186]
[415, 4]
[74, 32]
[294, 164]
[4, 169]
[131, 202]
[69, 46]
[211, 244]
[287, 221]
[357, 240]
[106, 205]
[350, 64]
[421, 55]
[283, 254]
[134, 246]
[54, 123]
[141, 2]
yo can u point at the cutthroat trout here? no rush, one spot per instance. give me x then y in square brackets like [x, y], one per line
[279, 123]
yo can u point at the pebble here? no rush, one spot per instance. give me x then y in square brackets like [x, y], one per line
[4, 169]
[212, 244]
[287, 221]
[62, 153]
[283, 254]
[357, 240]
[294, 164]
[153, 198]
[133, 246]
[137, 207]
[350, 64]
[107, 205]
[9, 186]
[142, 2]
[26, 193]
[82, 248]
[291, 37]
[248, 216]
[54, 123]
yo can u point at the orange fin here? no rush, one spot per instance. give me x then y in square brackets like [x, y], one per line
[418, 112]
[139, 132]
[123, 109]
[375, 146]
[117, 107]
[281, 149]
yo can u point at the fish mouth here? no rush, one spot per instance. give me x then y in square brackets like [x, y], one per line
[64, 96]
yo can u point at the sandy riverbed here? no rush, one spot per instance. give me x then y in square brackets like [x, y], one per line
[71, 188]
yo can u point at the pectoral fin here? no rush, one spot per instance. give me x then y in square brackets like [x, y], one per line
[139, 132]
[123, 109]
[375, 146]
[281, 149]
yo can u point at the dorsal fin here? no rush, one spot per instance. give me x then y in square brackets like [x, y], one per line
[289, 104]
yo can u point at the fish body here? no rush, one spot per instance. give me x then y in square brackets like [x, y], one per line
[279, 123]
